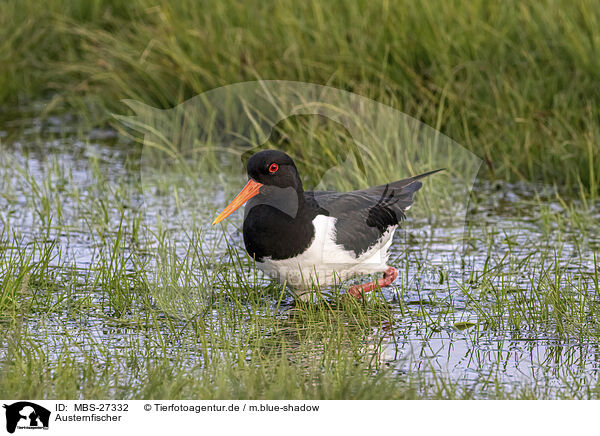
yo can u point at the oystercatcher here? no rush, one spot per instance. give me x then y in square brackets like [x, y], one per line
[318, 238]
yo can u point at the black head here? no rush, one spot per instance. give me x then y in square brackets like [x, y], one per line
[273, 180]
[274, 168]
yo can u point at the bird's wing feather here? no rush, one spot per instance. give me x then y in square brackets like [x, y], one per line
[363, 216]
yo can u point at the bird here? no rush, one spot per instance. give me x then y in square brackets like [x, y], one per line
[313, 239]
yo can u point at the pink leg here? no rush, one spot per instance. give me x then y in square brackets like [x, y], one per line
[389, 276]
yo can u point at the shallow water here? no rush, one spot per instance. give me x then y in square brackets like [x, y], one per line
[451, 320]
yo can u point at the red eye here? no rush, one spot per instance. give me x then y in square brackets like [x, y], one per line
[273, 168]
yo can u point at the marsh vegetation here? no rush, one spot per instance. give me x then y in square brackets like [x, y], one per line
[100, 299]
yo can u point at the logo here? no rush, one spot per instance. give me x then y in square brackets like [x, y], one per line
[26, 415]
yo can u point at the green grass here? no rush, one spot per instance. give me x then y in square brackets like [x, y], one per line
[515, 83]
[101, 298]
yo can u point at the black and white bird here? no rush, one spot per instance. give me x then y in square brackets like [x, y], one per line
[309, 239]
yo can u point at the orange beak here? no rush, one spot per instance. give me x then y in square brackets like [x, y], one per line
[249, 191]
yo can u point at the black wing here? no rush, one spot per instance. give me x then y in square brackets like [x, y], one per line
[363, 216]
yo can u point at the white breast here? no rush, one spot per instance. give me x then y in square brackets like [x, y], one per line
[325, 263]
